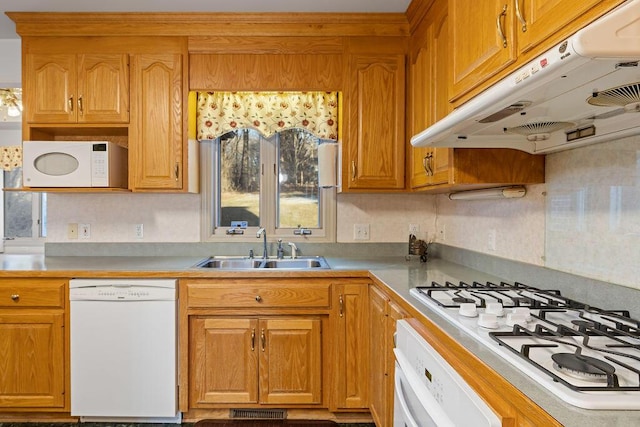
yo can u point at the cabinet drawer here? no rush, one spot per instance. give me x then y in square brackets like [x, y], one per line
[309, 293]
[15, 293]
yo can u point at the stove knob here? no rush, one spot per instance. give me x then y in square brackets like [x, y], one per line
[523, 311]
[468, 309]
[495, 308]
[488, 320]
[516, 318]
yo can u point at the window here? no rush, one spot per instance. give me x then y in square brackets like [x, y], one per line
[266, 182]
[24, 215]
[251, 180]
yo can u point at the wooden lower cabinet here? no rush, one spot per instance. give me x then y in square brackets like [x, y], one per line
[33, 375]
[383, 313]
[274, 360]
[351, 343]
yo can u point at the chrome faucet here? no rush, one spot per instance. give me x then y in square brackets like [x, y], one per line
[262, 232]
[294, 250]
[280, 250]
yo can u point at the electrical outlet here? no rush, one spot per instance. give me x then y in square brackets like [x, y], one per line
[139, 231]
[414, 229]
[84, 231]
[361, 232]
[72, 230]
[491, 240]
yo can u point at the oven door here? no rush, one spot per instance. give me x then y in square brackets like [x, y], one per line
[429, 392]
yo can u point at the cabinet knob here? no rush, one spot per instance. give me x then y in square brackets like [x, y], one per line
[15, 297]
[258, 298]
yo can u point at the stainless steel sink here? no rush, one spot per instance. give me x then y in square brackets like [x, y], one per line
[244, 263]
[298, 263]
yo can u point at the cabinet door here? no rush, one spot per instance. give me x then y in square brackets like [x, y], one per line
[351, 343]
[394, 313]
[538, 19]
[429, 74]
[378, 373]
[156, 139]
[50, 88]
[290, 360]
[103, 89]
[223, 360]
[478, 48]
[375, 152]
[32, 352]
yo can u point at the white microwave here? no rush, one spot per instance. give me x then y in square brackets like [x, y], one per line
[73, 164]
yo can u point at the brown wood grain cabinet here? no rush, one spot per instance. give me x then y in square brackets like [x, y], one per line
[33, 345]
[491, 38]
[429, 69]
[373, 150]
[254, 342]
[82, 88]
[351, 341]
[445, 169]
[157, 137]
[384, 313]
[275, 360]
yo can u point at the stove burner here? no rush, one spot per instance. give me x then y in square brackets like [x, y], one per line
[582, 367]
[463, 300]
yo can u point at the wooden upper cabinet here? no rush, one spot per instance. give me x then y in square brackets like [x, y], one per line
[537, 19]
[483, 42]
[70, 88]
[429, 74]
[375, 148]
[156, 135]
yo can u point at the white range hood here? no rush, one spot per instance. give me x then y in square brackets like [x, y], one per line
[584, 90]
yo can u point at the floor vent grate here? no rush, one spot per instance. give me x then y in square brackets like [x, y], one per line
[258, 414]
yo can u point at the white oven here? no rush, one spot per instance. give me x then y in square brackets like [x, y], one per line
[429, 392]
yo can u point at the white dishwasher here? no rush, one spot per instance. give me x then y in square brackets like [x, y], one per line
[123, 349]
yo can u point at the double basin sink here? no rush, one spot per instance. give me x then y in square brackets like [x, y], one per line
[244, 263]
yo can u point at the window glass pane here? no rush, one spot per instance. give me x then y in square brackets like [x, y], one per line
[298, 202]
[18, 207]
[239, 183]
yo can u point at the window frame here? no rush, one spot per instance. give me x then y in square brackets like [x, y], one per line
[33, 244]
[209, 161]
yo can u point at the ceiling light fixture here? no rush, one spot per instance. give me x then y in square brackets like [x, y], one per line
[514, 192]
[11, 101]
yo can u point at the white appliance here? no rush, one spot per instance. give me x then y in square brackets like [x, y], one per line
[73, 164]
[428, 391]
[124, 350]
[587, 356]
[582, 91]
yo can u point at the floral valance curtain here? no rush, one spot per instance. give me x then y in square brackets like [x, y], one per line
[10, 157]
[268, 112]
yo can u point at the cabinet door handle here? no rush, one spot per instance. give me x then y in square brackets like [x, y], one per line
[177, 171]
[499, 26]
[341, 302]
[353, 170]
[253, 339]
[263, 339]
[426, 164]
[15, 297]
[258, 298]
[80, 109]
[521, 17]
[70, 104]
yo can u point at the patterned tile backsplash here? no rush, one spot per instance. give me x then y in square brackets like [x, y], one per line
[585, 220]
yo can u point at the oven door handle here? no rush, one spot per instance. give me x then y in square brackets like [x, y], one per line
[404, 407]
[429, 403]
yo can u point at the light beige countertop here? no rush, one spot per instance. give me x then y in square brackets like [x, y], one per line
[398, 274]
